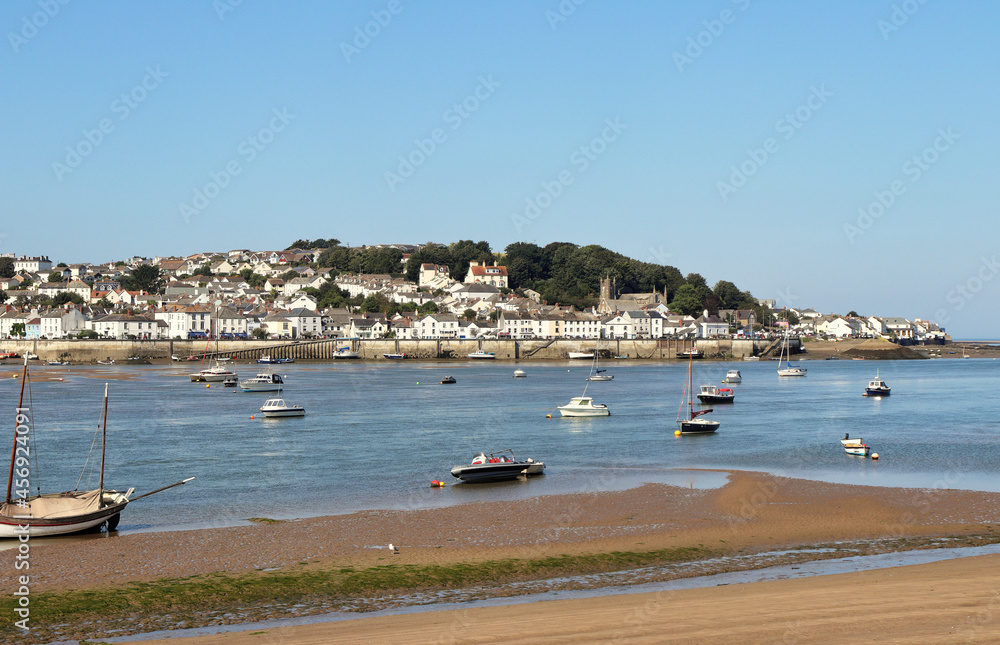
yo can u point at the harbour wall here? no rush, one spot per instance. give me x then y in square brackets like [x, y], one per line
[89, 351]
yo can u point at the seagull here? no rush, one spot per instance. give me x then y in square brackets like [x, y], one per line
[393, 549]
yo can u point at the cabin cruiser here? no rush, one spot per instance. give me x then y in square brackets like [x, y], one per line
[481, 354]
[877, 387]
[278, 408]
[583, 406]
[713, 394]
[214, 374]
[733, 376]
[263, 382]
[497, 467]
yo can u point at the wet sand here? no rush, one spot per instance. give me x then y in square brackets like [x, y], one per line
[752, 514]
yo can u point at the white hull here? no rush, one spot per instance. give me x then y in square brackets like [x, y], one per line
[260, 387]
[584, 413]
[345, 354]
[482, 355]
[601, 378]
[579, 355]
[792, 371]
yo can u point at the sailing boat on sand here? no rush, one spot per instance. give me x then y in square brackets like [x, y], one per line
[689, 420]
[56, 513]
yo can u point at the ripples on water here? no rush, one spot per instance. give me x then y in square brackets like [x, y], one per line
[376, 434]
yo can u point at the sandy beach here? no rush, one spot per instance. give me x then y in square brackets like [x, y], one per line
[752, 514]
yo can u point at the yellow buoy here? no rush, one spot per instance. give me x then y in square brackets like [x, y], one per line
[208, 385]
[548, 416]
[677, 433]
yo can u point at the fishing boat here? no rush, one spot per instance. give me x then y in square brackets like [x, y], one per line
[520, 374]
[345, 352]
[277, 407]
[22, 515]
[579, 355]
[713, 394]
[688, 419]
[266, 360]
[733, 377]
[448, 380]
[480, 354]
[583, 406]
[855, 446]
[497, 467]
[263, 382]
[877, 387]
[691, 352]
[395, 357]
[788, 369]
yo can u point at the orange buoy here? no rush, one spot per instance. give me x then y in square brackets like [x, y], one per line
[251, 417]
[437, 484]
[548, 416]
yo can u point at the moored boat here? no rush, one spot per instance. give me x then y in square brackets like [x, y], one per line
[277, 407]
[583, 406]
[448, 380]
[877, 387]
[579, 355]
[480, 354]
[520, 374]
[497, 467]
[688, 419]
[713, 394]
[733, 377]
[263, 382]
[215, 374]
[855, 446]
[395, 357]
[691, 352]
[345, 352]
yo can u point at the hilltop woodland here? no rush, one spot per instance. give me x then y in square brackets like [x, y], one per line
[561, 272]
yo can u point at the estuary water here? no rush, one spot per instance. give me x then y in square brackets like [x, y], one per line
[376, 434]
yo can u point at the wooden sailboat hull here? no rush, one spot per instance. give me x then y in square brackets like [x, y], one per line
[11, 525]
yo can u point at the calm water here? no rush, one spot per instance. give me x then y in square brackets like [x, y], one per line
[377, 434]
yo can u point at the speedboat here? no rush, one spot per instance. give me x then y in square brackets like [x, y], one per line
[448, 380]
[344, 352]
[399, 356]
[855, 446]
[733, 376]
[497, 467]
[263, 382]
[877, 387]
[583, 406]
[713, 394]
[520, 374]
[579, 355]
[481, 354]
[278, 408]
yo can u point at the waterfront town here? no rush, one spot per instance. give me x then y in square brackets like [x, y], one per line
[244, 294]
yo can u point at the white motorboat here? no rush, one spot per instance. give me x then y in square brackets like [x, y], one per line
[733, 377]
[751, 358]
[263, 382]
[480, 354]
[497, 467]
[58, 362]
[520, 374]
[345, 352]
[215, 374]
[579, 355]
[583, 406]
[395, 357]
[855, 446]
[278, 408]
[877, 387]
[231, 381]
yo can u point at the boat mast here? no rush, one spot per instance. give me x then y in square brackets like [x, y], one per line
[104, 437]
[13, 448]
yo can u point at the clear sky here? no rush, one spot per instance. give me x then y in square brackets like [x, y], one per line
[834, 155]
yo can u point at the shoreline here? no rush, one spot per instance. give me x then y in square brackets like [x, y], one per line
[752, 514]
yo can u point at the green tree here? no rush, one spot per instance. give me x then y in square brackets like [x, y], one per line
[3, 296]
[289, 275]
[17, 329]
[374, 302]
[429, 307]
[260, 333]
[6, 267]
[64, 297]
[55, 276]
[469, 314]
[728, 294]
[144, 277]
[87, 333]
[686, 301]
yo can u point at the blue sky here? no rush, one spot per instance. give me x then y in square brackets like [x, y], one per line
[837, 155]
